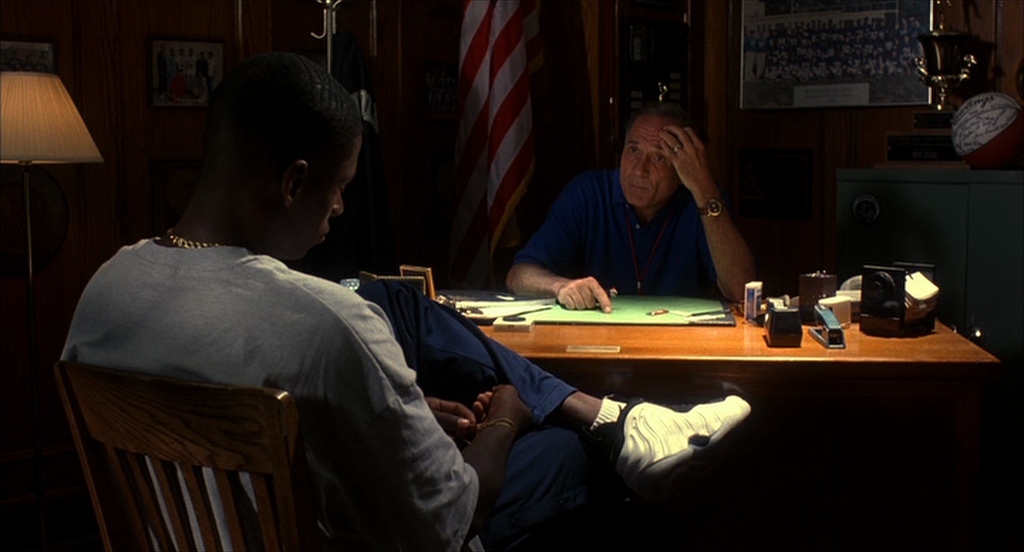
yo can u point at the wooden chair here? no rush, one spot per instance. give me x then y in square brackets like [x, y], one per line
[182, 465]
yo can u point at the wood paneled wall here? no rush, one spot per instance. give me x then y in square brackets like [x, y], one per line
[101, 50]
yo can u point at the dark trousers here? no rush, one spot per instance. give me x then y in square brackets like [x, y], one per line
[550, 469]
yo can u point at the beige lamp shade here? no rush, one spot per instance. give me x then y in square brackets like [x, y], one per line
[39, 122]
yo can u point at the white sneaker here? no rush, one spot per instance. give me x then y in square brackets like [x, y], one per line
[658, 441]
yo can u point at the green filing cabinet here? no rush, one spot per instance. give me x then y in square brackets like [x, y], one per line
[969, 224]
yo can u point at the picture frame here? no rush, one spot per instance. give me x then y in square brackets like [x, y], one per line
[417, 282]
[834, 54]
[424, 272]
[183, 73]
[440, 90]
[30, 56]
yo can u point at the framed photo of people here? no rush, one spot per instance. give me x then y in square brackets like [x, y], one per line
[832, 53]
[36, 57]
[183, 73]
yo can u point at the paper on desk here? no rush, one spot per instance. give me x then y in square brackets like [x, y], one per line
[474, 299]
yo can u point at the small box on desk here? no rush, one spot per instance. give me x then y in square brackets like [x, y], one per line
[783, 327]
[513, 324]
[883, 304]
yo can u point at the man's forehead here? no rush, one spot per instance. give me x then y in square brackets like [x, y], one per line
[646, 129]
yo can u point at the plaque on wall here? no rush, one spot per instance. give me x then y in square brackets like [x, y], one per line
[920, 147]
[929, 145]
[654, 54]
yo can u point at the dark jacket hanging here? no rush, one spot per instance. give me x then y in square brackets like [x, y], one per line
[361, 238]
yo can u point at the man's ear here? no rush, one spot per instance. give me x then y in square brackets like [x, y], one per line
[293, 179]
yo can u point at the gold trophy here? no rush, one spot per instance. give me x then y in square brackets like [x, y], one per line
[945, 63]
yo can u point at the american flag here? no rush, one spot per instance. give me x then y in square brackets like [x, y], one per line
[494, 149]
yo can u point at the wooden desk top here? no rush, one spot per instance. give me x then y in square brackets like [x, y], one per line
[941, 352]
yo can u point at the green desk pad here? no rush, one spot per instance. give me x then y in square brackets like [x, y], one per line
[633, 309]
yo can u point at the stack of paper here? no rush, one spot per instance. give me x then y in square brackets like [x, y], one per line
[491, 304]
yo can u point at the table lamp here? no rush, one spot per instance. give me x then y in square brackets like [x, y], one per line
[39, 124]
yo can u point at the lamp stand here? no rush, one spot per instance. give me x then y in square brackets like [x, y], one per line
[33, 368]
[40, 125]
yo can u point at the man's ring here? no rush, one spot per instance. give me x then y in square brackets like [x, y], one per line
[675, 148]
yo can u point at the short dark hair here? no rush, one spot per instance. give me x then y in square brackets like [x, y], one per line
[286, 103]
[670, 110]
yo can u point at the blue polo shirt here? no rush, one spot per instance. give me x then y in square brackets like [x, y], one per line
[587, 233]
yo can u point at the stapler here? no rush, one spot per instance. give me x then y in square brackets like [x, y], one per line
[829, 331]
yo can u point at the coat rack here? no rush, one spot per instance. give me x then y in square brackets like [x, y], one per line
[330, 8]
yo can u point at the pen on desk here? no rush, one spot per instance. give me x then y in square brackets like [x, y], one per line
[531, 311]
[705, 314]
[702, 317]
[708, 313]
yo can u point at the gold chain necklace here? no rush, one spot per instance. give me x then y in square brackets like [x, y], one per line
[184, 243]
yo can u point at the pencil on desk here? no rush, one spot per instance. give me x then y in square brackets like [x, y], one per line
[704, 315]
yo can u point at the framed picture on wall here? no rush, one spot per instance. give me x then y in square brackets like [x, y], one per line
[183, 73]
[832, 53]
[36, 57]
[440, 90]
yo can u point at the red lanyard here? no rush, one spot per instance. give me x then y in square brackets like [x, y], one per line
[632, 246]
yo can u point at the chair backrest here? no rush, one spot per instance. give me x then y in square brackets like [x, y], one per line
[183, 465]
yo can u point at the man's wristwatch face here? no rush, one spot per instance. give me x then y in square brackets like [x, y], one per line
[712, 209]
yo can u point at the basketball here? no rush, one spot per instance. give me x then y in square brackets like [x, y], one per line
[988, 131]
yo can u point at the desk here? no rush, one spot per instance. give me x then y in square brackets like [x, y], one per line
[876, 446]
